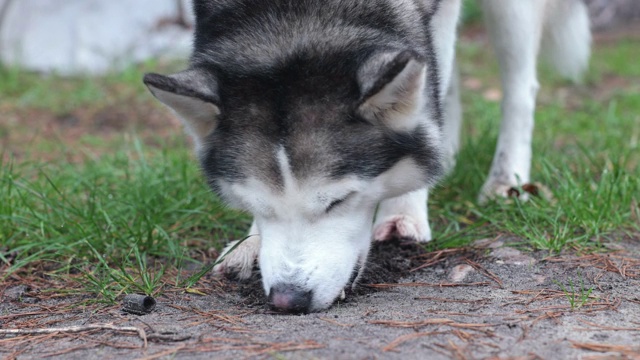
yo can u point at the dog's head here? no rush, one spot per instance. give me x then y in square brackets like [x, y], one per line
[310, 148]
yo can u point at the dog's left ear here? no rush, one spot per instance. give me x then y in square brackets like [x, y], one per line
[392, 85]
[193, 95]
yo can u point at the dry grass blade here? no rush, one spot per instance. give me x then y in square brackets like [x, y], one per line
[596, 327]
[436, 257]
[605, 304]
[405, 338]
[635, 301]
[74, 329]
[34, 313]
[419, 324]
[331, 321]
[540, 295]
[625, 266]
[632, 351]
[485, 272]
[450, 300]
[415, 324]
[289, 346]
[250, 347]
[424, 284]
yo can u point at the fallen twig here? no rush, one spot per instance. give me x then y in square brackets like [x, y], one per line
[74, 329]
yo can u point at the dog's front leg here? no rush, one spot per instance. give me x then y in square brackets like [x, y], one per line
[240, 261]
[404, 216]
[515, 27]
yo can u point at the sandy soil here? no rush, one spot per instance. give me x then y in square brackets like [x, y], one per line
[490, 300]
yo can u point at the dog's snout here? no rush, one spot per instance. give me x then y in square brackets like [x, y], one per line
[290, 298]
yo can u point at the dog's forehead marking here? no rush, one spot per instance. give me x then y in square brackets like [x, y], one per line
[298, 195]
[285, 168]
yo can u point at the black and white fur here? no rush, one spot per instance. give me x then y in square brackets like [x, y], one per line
[323, 117]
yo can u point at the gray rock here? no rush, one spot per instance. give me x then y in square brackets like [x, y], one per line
[92, 36]
[460, 272]
[512, 256]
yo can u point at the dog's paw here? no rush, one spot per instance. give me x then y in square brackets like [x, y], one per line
[239, 261]
[494, 189]
[402, 226]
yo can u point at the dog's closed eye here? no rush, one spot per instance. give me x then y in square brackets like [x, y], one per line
[337, 202]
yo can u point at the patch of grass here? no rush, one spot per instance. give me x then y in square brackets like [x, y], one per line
[578, 297]
[585, 150]
[118, 210]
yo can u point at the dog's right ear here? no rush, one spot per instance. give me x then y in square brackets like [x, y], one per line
[193, 96]
[392, 86]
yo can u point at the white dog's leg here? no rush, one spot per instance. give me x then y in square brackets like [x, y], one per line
[404, 216]
[445, 24]
[515, 27]
[452, 121]
[240, 261]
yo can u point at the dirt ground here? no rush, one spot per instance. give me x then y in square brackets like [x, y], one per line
[487, 301]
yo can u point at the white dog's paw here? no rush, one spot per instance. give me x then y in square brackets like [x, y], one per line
[240, 261]
[494, 188]
[402, 226]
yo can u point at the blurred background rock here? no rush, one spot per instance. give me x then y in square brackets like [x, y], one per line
[608, 14]
[92, 36]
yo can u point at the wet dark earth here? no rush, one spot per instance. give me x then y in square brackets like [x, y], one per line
[388, 263]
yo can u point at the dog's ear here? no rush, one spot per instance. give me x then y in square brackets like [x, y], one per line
[192, 95]
[392, 85]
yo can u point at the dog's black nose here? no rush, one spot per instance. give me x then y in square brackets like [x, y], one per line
[290, 298]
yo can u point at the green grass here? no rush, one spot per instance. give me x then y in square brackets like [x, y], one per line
[585, 151]
[122, 209]
[471, 12]
[577, 296]
[124, 219]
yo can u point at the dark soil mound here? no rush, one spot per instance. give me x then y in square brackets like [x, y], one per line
[388, 262]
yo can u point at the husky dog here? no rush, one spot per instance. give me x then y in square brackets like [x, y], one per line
[329, 120]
